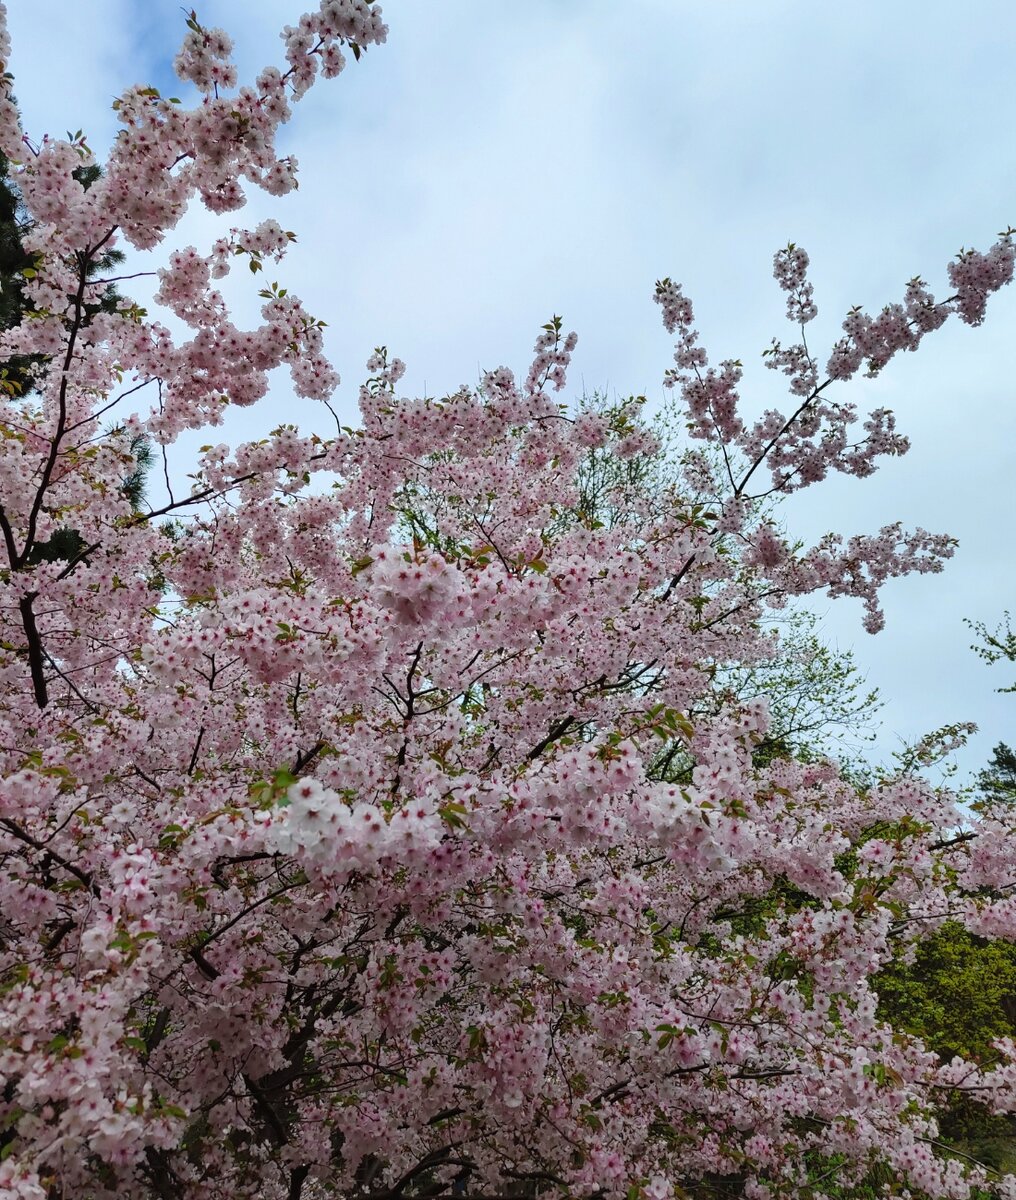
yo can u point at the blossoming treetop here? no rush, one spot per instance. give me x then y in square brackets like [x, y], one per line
[340, 853]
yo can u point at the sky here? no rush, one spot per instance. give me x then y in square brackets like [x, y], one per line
[499, 162]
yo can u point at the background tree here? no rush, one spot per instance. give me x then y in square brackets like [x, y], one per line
[996, 645]
[997, 782]
[959, 996]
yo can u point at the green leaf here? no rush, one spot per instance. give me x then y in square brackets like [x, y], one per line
[452, 814]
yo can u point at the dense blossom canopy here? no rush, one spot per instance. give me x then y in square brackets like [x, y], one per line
[342, 849]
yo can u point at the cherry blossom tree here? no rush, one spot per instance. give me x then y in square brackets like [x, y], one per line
[335, 862]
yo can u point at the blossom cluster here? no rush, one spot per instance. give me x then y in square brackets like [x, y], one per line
[320, 828]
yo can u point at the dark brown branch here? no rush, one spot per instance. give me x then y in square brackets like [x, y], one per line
[678, 577]
[958, 840]
[225, 861]
[816, 392]
[268, 1111]
[157, 1033]
[79, 557]
[35, 652]
[9, 542]
[558, 729]
[163, 1179]
[54, 447]
[203, 965]
[57, 936]
[215, 933]
[197, 748]
[306, 756]
[23, 836]
[70, 683]
[297, 1178]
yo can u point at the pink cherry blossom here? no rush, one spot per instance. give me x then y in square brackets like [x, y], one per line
[370, 823]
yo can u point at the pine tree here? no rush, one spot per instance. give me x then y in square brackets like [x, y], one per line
[998, 779]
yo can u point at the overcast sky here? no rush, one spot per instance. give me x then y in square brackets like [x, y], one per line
[498, 162]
